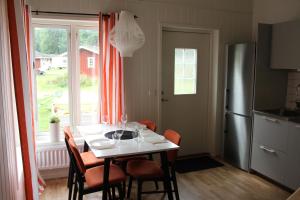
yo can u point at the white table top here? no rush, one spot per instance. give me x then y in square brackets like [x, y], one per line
[124, 147]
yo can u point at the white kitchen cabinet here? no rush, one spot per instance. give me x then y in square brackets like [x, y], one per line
[268, 162]
[276, 150]
[292, 168]
[270, 132]
[269, 147]
[286, 45]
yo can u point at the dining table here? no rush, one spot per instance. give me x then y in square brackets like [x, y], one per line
[146, 142]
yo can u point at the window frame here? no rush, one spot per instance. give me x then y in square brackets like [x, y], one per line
[72, 26]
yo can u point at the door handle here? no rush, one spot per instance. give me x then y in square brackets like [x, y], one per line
[164, 100]
[267, 149]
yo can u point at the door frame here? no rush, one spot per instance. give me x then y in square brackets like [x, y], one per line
[212, 85]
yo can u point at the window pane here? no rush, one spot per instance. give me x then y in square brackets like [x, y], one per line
[189, 71]
[51, 62]
[185, 72]
[89, 76]
[185, 86]
[190, 56]
[179, 53]
[179, 71]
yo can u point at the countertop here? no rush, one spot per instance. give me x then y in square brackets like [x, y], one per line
[294, 119]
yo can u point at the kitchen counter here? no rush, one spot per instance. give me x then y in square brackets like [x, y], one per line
[293, 119]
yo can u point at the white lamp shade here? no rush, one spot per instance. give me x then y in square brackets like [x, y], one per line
[127, 36]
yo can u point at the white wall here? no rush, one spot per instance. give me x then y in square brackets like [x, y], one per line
[232, 17]
[274, 11]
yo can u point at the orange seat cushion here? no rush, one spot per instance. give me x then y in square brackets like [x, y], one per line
[90, 160]
[94, 176]
[144, 169]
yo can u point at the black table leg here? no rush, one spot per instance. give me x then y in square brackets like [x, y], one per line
[165, 166]
[106, 178]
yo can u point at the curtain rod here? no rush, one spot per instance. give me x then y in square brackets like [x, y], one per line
[69, 13]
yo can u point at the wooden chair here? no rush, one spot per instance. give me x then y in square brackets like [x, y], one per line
[89, 160]
[148, 170]
[122, 161]
[93, 177]
[149, 124]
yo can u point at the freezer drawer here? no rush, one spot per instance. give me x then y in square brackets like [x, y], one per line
[237, 139]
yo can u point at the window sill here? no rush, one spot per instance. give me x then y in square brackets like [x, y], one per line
[43, 142]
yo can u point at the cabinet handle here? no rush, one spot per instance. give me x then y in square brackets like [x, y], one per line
[271, 119]
[267, 149]
[297, 126]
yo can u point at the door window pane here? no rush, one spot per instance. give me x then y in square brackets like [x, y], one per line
[89, 75]
[185, 71]
[51, 67]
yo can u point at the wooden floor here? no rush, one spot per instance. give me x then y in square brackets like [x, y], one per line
[226, 183]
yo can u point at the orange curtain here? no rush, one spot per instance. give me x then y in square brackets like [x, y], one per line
[112, 85]
[18, 18]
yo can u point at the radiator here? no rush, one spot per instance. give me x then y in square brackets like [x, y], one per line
[53, 157]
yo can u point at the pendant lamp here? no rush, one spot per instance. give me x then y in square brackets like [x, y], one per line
[127, 36]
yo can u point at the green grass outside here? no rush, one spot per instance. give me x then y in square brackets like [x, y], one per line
[52, 88]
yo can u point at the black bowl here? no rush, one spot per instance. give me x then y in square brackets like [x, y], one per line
[127, 135]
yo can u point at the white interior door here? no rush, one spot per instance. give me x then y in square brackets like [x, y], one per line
[185, 83]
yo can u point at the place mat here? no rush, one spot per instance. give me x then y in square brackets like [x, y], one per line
[156, 139]
[102, 144]
[196, 164]
[127, 135]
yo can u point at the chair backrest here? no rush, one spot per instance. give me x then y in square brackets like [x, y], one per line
[68, 135]
[68, 132]
[76, 155]
[149, 124]
[174, 137]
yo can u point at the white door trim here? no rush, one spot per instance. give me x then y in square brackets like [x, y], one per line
[213, 78]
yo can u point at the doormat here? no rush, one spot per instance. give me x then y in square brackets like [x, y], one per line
[196, 164]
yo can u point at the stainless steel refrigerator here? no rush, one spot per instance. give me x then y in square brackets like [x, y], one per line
[239, 104]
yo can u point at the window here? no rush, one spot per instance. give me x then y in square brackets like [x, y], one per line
[185, 71]
[66, 56]
[91, 62]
